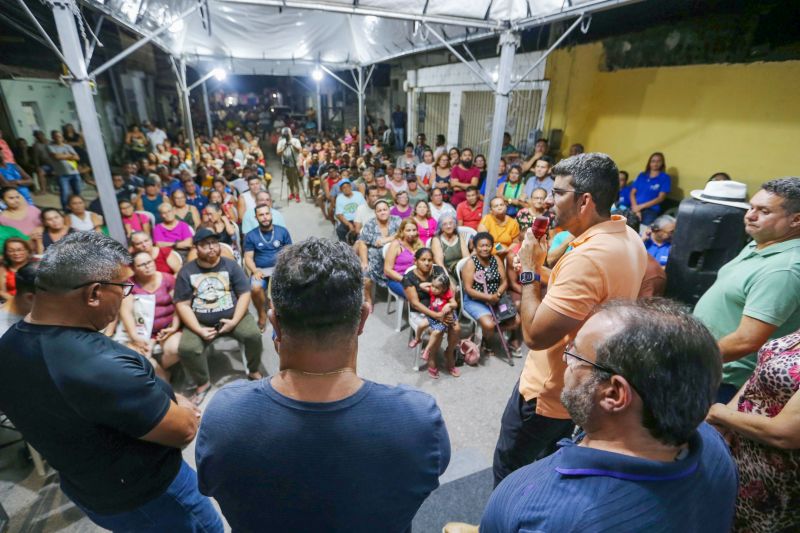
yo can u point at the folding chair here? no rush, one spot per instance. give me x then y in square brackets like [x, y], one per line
[466, 232]
[399, 300]
[150, 217]
[476, 329]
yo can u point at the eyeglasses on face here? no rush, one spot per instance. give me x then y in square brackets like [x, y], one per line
[561, 192]
[609, 370]
[127, 286]
[568, 353]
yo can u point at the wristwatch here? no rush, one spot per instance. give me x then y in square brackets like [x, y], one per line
[526, 278]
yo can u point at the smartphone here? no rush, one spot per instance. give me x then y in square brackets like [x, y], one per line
[218, 326]
[498, 246]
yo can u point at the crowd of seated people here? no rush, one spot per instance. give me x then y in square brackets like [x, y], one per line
[416, 223]
[164, 206]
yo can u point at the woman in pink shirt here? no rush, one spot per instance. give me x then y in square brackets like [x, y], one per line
[133, 221]
[171, 232]
[426, 225]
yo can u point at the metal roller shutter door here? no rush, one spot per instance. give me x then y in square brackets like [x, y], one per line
[477, 109]
[434, 121]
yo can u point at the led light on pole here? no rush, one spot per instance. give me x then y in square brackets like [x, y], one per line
[316, 74]
[219, 73]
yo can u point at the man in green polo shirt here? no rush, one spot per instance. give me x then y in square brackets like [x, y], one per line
[756, 296]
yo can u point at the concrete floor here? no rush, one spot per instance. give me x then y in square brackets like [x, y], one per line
[472, 404]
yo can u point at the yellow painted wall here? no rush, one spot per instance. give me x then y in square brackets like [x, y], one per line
[743, 119]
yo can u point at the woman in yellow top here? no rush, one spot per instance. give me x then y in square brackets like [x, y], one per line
[503, 228]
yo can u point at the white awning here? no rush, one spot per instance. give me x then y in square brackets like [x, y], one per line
[290, 37]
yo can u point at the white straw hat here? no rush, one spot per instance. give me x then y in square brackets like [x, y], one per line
[730, 193]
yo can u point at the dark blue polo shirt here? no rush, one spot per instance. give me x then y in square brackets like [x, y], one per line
[584, 489]
[266, 245]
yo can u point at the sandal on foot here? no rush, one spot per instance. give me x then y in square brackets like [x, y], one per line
[425, 354]
[198, 397]
[454, 372]
[413, 343]
[433, 372]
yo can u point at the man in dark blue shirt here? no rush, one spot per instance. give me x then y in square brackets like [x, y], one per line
[261, 247]
[399, 127]
[93, 408]
[316, 447]
[643, 464]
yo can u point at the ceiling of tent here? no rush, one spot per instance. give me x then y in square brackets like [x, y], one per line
[288, 37]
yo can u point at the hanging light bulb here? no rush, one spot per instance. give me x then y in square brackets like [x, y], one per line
[219, 73]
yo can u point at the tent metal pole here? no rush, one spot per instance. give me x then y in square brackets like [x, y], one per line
[47, 38]
[411, 117]
[547, 52]
[87, 114]
[361, 125]
[187, 109]
[96, 40]
[508, 44]
[141, 42]
[337, 78]
[319, 109]
[207, 107]
[477, 70]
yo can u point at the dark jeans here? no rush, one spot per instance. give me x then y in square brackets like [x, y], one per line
[68, 184]
[342, 232]
[726, 392]
[397, 288]
[180, 509]
[525, 436]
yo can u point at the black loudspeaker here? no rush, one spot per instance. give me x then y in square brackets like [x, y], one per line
[706, 237]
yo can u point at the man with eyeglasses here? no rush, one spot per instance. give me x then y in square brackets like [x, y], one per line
[94, 409]
[608, 261]
[645, 459]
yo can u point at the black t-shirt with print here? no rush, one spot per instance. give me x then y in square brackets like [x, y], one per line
[411, 280]
[212, 292]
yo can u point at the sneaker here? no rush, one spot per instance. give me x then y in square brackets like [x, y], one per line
[297, 198]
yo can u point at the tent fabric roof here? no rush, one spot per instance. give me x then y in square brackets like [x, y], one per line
[288, 37]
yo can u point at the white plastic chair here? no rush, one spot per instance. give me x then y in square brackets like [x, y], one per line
[150, 217]
[393, 296]
[466, 232]
[462, 311]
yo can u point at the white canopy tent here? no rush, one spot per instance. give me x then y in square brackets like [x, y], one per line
[297, 37]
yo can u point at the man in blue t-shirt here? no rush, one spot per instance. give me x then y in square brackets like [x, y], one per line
[346, 204]
[316, 447]
[659, 243]
[261, 247]
[94, 408]
[646, 460]
[624, 198]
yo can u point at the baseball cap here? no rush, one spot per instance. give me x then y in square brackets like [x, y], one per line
[345, 182]
[203, 234]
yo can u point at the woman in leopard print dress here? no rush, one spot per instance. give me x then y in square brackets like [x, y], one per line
[762, 424]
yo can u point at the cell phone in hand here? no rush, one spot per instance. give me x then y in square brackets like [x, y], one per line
[218, 326]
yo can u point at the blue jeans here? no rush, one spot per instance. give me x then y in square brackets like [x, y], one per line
[397, 288]
[67, 182]
[180, 509]
[399, 138]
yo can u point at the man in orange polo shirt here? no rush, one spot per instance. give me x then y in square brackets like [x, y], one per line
[608, 262]
[470, 211]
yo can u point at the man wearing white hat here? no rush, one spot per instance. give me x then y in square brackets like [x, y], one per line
[755, 297]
